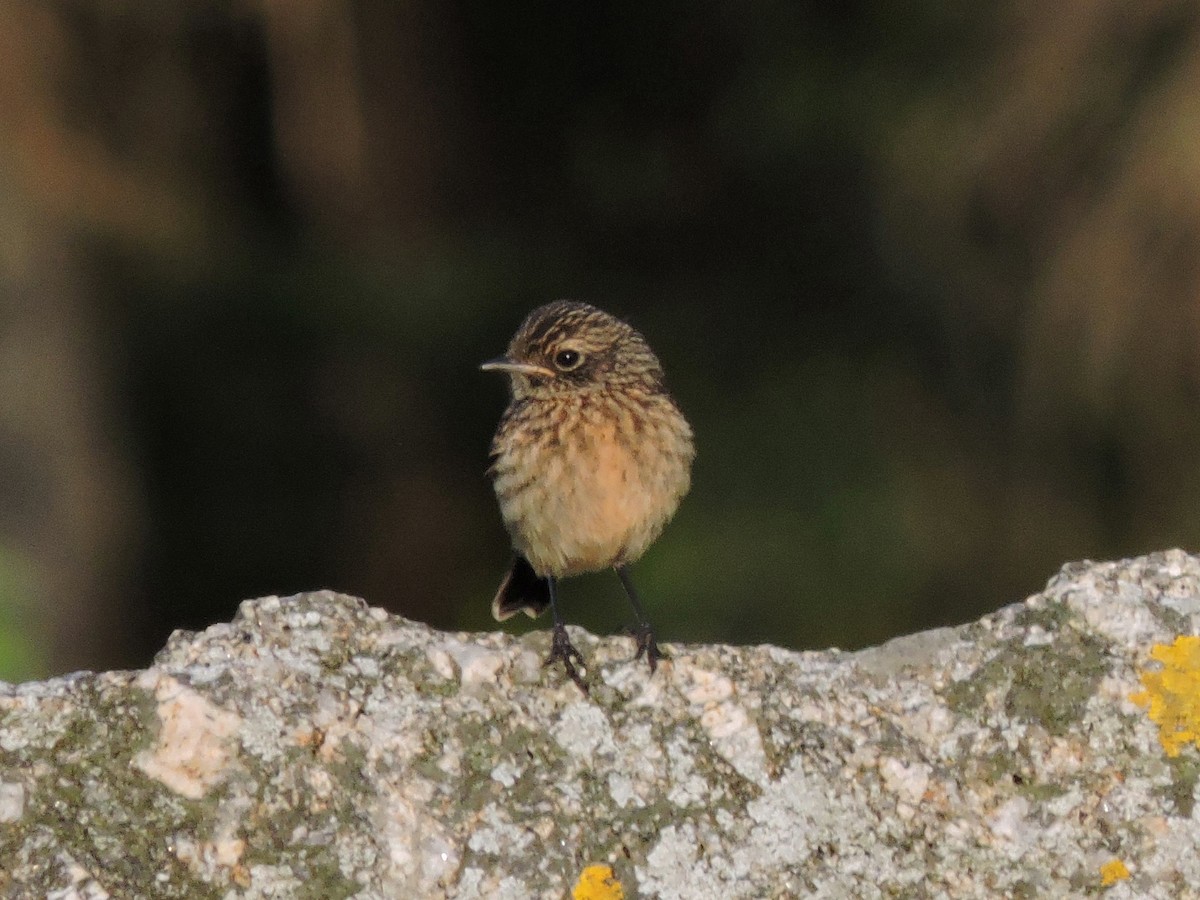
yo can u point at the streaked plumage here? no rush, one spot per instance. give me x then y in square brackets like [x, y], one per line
[591, 457]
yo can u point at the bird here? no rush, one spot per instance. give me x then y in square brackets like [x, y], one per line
[590, 461]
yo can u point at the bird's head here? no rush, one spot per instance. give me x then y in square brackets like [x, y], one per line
[572, 347]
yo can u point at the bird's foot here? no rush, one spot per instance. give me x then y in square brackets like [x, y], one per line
[647, 646]
[562, 650]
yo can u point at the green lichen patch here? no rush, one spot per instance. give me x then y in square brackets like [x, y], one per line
[325, 881]
[1048, 684]
[1172, 619]
[1049, 616]
[1181, 792]
[96, 803]
[275, 833]
[1051, 685]
[1040, 791]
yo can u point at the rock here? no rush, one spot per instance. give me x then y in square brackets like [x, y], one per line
[315, 747]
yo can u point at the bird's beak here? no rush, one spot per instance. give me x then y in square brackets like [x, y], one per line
[504, 364]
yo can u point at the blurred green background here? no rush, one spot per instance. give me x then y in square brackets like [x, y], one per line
[924, 277]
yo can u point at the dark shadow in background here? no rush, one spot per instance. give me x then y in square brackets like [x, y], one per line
[365, 201]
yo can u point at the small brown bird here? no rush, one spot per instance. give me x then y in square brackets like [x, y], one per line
[589, 462]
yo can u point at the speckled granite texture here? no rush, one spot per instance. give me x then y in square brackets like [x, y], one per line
[318, 748]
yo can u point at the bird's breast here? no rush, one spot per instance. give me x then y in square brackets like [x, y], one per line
[590, 483]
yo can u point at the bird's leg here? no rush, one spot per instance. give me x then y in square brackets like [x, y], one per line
[561, 648]
[642, 632]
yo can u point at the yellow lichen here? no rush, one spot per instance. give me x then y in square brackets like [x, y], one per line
[598, 883]
[1113, 871]
[1173, 693]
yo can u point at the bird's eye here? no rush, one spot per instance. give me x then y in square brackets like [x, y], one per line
[566, 360]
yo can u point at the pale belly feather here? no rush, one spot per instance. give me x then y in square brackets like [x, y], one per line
[593, 502]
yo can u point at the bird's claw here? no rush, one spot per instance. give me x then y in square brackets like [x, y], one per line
[562, 650]
[647, 646]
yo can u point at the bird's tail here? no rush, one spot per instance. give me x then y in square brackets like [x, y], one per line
[521, 591]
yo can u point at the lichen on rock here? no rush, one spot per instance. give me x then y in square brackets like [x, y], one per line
[315, 747]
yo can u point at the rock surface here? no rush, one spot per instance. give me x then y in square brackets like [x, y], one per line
[315, 747]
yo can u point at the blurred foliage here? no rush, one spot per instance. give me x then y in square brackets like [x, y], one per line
[21, 645]
[922, 275]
